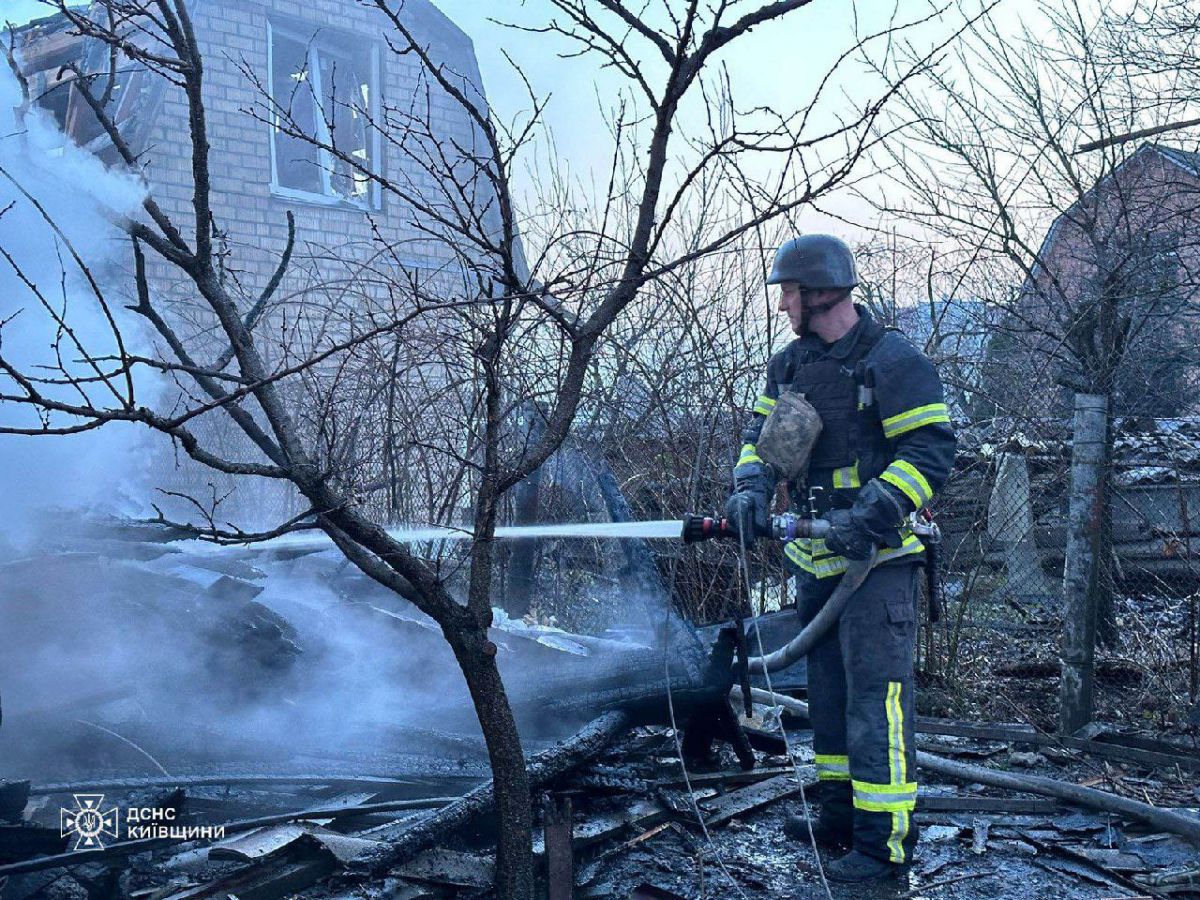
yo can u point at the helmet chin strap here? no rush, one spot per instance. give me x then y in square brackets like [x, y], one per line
[816, 309]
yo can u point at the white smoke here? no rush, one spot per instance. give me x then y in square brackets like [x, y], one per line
[41, 167]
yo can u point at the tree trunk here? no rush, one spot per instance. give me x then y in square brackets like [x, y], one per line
[476, 656]
[1085, 519]
[522, 560]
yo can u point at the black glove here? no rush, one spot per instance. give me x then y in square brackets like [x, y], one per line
[848, 539]
[747, 513]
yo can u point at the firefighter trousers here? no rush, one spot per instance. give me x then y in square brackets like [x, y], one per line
[860, 691]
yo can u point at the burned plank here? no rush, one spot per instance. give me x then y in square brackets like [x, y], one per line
[1078, 860]
[543, 769]
[450, 867]
[560, 853]
[1018, 805]
[721, 809]
[1027, 735]
[1114, 860]
[596, 828]
[731, 776]
[1162, 819]
[765, 741]
[294, 871]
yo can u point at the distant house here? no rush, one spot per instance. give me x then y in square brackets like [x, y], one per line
[955, 336]
[286, 49]
[326, 62]
[1118, 269]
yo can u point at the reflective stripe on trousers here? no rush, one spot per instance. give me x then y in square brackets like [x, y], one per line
[861, 705]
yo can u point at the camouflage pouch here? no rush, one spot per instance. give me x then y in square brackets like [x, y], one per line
[789, 434]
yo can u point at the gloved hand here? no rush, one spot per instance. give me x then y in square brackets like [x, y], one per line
[846, 538]
[747, 513]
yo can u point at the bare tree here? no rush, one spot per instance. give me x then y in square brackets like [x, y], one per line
[506, 322]
[1097, 249]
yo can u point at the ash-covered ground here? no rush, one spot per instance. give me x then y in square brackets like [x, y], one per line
[316, 716]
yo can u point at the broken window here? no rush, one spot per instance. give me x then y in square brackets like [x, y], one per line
[323, 87]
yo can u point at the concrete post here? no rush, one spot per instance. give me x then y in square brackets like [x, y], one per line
[1085, 520]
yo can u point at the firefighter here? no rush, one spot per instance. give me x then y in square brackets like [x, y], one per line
[885, 448]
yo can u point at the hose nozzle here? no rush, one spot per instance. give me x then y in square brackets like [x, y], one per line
[704, 528]
[785, 527]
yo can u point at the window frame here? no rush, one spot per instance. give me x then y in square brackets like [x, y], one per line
[310, 36]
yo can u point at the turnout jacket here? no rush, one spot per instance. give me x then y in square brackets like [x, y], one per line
[884, 417]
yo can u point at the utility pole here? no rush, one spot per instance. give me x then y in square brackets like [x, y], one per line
[1085, 518]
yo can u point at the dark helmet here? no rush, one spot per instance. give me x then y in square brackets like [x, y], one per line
[815, 261]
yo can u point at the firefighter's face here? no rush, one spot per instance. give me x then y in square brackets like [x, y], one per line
[792, 298]
[806, 306]
[795, 301]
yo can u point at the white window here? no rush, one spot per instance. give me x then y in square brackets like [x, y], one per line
[323, 85]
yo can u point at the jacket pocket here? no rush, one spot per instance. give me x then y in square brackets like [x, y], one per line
[901, 611]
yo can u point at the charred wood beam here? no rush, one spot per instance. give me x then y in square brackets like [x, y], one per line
[639, 682]
[544, 768]
[930, 803]
[1154, 759]
[1162, 819]
[1105, 749]
[560, 853]
[1078, 795]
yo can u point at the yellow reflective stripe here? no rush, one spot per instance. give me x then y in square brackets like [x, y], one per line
[907, 789]
[824, 774]
[897, 769]
[884, 797]
[749, 455]
[895, 843]
[763, 405]
[894, 426]
[832, 767]
[847, 477]
[909, 479]
[895, 720]
[801, 552]
[911, 544]
[887, 806]
[812, 556]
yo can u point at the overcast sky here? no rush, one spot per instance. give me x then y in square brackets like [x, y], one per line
[776, 66]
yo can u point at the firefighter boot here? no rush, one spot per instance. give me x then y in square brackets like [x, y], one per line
[833, 826]
[858, 867]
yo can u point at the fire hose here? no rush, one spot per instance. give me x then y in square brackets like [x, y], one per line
[787, 527]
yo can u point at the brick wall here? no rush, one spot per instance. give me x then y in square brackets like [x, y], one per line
[1147, 198]
[337, 260]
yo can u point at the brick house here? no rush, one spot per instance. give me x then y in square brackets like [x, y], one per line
[326, 62]
[1125, 256]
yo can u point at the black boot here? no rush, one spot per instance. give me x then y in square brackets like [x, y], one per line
[831, 835]
[833, 827]
[858, 867]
